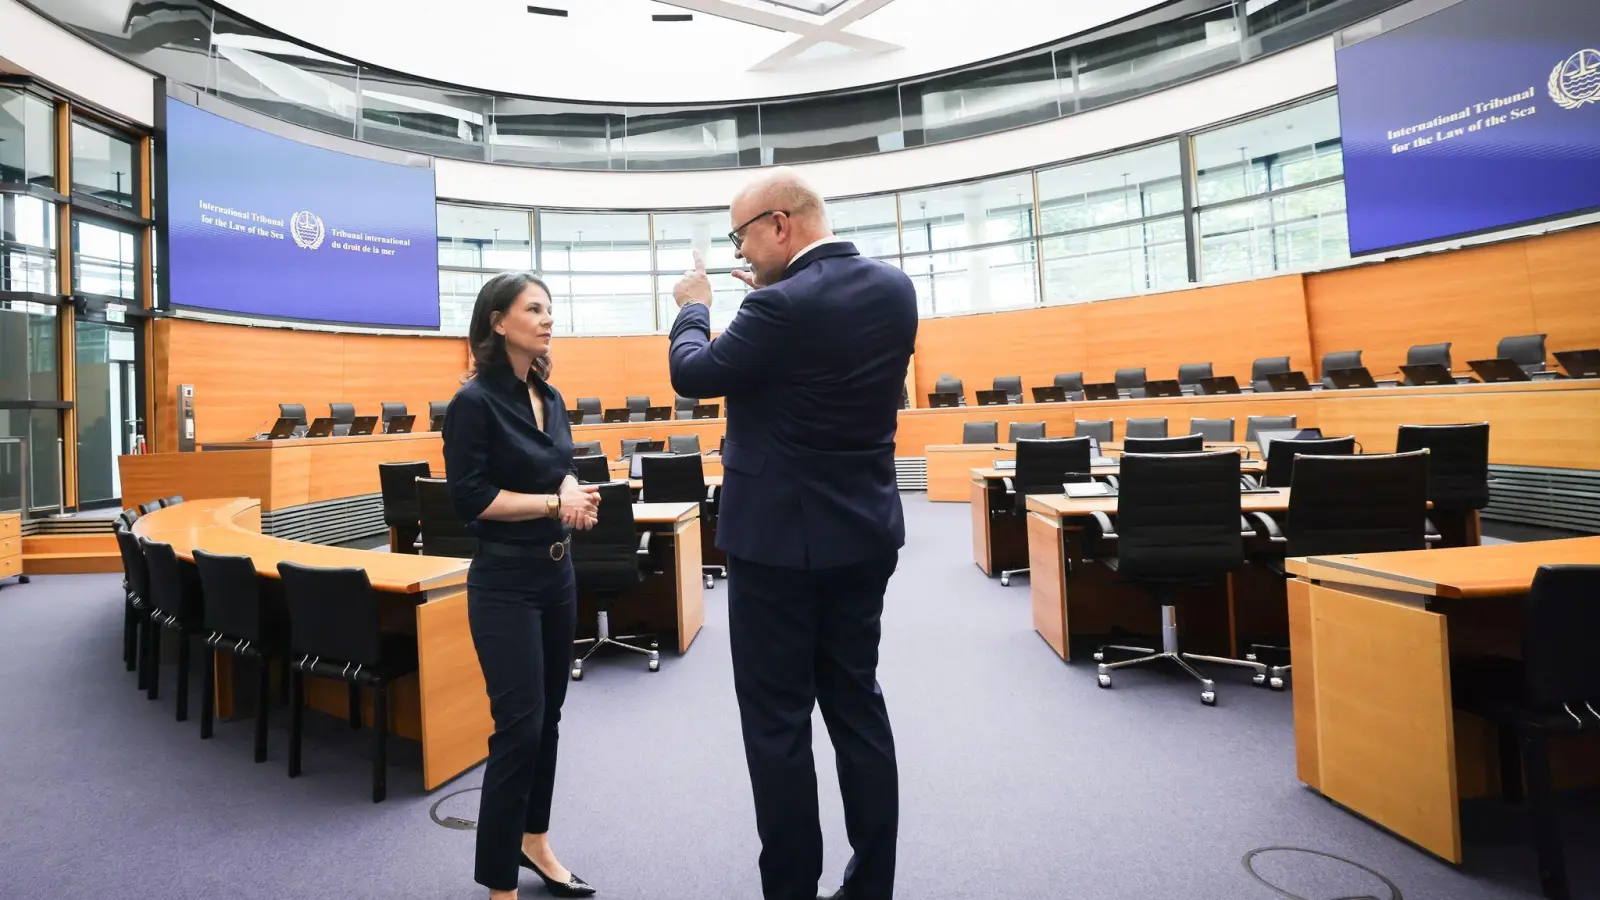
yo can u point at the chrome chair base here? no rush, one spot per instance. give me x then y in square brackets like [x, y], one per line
[603, 638]
[1006, 574]
[1274, 676]
[712, 573]
[1169, 651]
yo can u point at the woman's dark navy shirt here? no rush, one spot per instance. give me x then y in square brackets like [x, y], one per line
[493, 444]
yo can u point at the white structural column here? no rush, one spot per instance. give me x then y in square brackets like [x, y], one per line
[976, 218]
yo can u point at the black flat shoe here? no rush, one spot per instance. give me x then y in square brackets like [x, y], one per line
[572, 887]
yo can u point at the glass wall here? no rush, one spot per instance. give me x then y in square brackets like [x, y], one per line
[27, 244]
[193, 43]
[1114, 225]
[27, 140]
[1270, 193]
[102, 166]
[104, 260]
[1266, 196]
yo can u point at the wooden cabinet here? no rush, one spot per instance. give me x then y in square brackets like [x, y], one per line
[10, 545]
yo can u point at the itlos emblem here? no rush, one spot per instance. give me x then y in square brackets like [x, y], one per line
[1576, 80]
[306, 228]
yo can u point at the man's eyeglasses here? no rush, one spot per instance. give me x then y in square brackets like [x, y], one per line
[736, 236]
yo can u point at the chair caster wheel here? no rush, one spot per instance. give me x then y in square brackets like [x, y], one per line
[24, 579]
[1258, 679]
[577, 674]
[1209, 698]
[655, 665]
[1105, 680]
[1276, 683]
[1099, 656]
[1005, 580]
[711, 582]
[1250, 657]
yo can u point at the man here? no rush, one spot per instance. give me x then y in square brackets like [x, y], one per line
[812, 368]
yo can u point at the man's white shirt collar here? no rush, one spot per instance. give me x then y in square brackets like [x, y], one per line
[812, 246]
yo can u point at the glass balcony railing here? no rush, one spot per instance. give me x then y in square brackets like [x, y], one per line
[215, 51]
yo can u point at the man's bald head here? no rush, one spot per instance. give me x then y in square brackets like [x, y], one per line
[783, 188]
[775, 217]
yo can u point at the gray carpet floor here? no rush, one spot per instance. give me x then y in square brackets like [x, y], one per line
[1020, 778]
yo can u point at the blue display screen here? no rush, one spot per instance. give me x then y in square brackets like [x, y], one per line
[266, 226]
[1483, 115]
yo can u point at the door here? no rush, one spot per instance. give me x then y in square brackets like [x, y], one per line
[104, 402]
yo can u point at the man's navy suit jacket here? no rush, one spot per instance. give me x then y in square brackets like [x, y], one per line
[812, 368]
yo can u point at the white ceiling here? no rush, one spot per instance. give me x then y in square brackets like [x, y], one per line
[611, 50]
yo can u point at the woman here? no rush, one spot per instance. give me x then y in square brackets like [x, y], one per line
[508, 457]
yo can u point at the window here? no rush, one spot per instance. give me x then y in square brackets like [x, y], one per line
[1270, 193]
[831, 127]
[970, 246]
[443, 122]
[478, 237]
[598, 266]
[28, 372]
[102, 166]
[1116, 68]
[689, 138]
[458, 292]
[678, 235]
[970, 103]
[27, 244]
[27, 140]
[560, 135]
[265, 72]
[103, 260]
[1114, 225]
[871, 223]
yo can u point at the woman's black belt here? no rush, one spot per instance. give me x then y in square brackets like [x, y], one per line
[557, 551]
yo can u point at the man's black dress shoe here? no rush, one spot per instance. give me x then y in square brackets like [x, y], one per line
[572, 887]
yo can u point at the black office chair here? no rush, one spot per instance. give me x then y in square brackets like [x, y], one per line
[683, 443]
[1187, 443]
[637, 407]
[1267, 365]
[388, 410]
[683, 407]
[136, 627]
[176, 606]
[1024, 431]
[1428, 355]
[239, 622]
[1526, 350]
[591, 407]
[1178, 524]
[1255, 424]
[1130, 380]
[1215, 430]
[1191, 374]
[610, 560]
[948, 385]
[681, 479]
[1072, 383]
[1554, 689]
[436, 408]
[1147, 428]
[980, 432]
[1458, 468]
[1339, 359]
[587, 448]
[1104, 430]
[1281, 456]
[591, 469]
[174, 500]
[343, 415]
[334, 633]
[1012, 385]
[295, 411]
[630, 446]
[398, 482]
[443, 532]
[1043, 466]
[1341, 505]
[146, 509]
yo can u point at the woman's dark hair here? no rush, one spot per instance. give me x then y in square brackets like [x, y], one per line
[499, 292]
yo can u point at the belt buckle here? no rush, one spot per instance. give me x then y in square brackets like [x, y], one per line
[558, 550]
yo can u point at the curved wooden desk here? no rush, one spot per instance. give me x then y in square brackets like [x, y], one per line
[444, 706]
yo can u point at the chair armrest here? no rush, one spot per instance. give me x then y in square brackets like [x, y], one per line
[1114, 481]
[644, 547]
[1103, 522]
[711, 493]
[1270, 526]
[1011, 486]
[1249, 481]
[1244, 528]
[1430, 532]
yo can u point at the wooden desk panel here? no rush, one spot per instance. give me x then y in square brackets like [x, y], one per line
[1375, 724]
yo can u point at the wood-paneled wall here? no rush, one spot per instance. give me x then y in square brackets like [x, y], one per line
[1473, 297]
[1228, 326]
